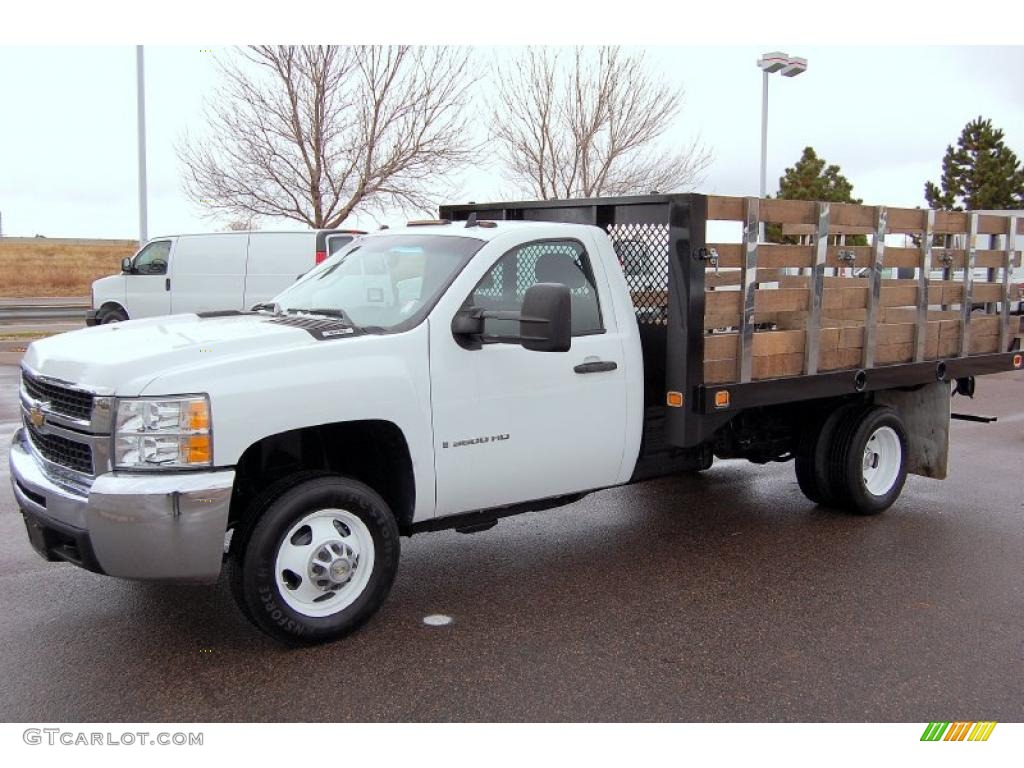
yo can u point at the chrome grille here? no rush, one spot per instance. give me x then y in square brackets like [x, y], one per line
[62, 451]
[63, 400]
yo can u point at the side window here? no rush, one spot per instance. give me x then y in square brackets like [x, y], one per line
[336, 242]
[152, 260]
[552, 261]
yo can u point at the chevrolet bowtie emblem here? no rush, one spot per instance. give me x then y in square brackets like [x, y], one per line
[36, 417]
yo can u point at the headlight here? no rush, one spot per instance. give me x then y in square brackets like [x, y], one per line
[150, 433]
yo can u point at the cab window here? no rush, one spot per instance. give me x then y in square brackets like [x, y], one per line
[549, 261]
[152, 260]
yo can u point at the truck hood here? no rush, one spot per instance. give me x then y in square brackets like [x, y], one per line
[122, 358]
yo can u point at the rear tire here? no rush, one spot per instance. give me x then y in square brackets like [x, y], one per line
[868, 460]
[316, 559]
[811, 462]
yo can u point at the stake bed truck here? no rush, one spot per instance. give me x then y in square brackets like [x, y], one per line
[495, 361]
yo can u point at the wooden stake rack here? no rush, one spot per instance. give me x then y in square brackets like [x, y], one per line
[777, 310]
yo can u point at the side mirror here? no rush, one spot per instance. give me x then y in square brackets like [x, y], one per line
[545, 322]
[126, 265]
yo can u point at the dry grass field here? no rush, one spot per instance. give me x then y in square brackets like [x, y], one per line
[57, 267]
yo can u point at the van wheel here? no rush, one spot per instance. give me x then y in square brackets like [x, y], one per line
[811, 461]
[317, 559]
[112, 315]
[868, 460]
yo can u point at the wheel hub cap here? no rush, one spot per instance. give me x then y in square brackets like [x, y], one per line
[324, 562]
[882, 460]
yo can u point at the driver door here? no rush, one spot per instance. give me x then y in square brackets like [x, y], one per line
[148, 287]
[513, 425]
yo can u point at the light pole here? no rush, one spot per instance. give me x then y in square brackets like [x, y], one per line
[140, 84]
[776, 61]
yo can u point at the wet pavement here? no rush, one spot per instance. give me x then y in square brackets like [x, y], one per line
[720, 596]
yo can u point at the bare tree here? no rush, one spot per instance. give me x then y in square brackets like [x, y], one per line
[312, 133]
[590, 126]
[242, 224]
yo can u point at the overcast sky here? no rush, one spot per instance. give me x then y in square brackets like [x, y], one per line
[884, 114]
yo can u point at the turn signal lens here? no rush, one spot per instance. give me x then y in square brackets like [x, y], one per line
[199, 416]
[1018, 361]
[198, 451]
[722, 398]
[675, 399]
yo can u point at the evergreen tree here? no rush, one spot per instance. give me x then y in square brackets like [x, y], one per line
[982, 173]
[812, 179]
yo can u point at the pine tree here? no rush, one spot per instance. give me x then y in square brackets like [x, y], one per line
[812, 179]
[982, 173]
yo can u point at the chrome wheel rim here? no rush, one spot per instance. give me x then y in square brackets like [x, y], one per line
[324, 562]
[880, 465]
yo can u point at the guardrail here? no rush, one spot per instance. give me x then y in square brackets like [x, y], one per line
[49, 311]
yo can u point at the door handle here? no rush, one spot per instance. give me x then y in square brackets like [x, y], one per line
[167, 284]
[598, 366]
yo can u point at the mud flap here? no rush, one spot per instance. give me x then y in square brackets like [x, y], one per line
[925, 414]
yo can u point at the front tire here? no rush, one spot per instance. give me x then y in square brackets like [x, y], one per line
[317, 559]
[112, 315]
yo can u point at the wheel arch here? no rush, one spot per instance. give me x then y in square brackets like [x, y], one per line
[373, 451]
[114, 304]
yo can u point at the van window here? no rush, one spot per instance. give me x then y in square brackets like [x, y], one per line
[152, 260]
[336, 242]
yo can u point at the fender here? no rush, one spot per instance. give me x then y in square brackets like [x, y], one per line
[379, 377]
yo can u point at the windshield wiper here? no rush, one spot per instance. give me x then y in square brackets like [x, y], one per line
[273, 306]
[341, 314]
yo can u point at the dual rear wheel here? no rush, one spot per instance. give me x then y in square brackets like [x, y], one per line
[853, 458]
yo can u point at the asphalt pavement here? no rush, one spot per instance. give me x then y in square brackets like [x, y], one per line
[724, 596]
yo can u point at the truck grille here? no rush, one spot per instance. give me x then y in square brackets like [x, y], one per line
[62, 451]
[62, 400]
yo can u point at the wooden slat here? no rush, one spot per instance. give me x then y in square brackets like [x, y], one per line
[733, 277]
[779, 256]
[779, 353]
[765, 300]
[722, 308]
[854, 217]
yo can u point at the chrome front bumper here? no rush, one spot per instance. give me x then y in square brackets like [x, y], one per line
[166, 527]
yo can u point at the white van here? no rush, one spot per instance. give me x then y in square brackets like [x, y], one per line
[210, 272]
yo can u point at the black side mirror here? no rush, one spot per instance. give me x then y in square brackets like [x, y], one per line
[545, 323]
[126, 265]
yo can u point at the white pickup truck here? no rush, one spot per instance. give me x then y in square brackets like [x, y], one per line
[440, 375]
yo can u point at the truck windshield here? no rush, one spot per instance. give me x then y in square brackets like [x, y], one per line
[381, 281]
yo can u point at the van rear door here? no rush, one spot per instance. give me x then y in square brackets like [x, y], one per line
[208, 272]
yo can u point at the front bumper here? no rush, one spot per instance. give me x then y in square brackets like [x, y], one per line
[92, 317]
[166, 527]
